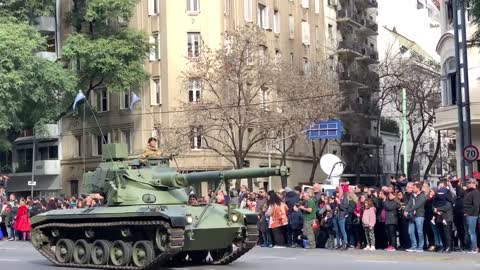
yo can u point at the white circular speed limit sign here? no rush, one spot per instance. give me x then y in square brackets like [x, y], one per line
[470, 153]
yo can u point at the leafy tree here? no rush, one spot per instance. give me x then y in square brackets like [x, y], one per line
[32, 89]
[26, 10]
[106, 54]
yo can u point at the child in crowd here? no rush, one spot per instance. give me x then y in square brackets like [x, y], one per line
[440, 201]
[295, 219]
[263, 227]
[368, 220]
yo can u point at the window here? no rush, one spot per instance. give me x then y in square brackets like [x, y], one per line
[193, 44]
[193, 6]
[226, 5]
[265, 99]
[305, 3]
[330, 31]
[126, 139]
[196, 137]
[156, 92]
[291, 60]
[100, 100]
[194, 90]
[248, 10]
[155, 49]
[125, 100]
[317, 6]
[306, 66]
[98, 141]
[262, 54]
[153, 8]
[449, 89]
[262, 16]
[278, 57]
[317, 36]
[276, 21]
[74, 187]
[78, 146]
[305, 33]
[291, 26]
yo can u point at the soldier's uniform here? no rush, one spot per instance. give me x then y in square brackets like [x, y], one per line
[150, 152]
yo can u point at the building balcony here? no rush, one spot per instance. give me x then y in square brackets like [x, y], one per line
[372, 4]
[348, 17]
[45, 24]
[368, 56]
[369, 27]
[351, 80]
[49, 131]
[349, 49]
[42, 167]
[51, 56]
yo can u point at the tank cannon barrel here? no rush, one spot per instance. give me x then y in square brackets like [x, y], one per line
[177, 180]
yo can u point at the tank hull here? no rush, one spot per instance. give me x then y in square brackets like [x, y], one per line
[186, 241]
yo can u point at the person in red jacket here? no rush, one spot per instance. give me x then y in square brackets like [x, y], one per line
[22, 220]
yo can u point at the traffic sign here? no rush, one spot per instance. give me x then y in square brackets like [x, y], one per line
[331, 129]
[32, 183]
[470, 153]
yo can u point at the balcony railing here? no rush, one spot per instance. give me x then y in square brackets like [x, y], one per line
[350, 45]
[42, 167]
[348, 15]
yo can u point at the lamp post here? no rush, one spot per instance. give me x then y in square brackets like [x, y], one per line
[33, 162]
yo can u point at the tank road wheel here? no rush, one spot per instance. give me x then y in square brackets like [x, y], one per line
[81, 252]
[100, 252]
[143, 253]
[64, 250]
[161, 239]
[120, 253]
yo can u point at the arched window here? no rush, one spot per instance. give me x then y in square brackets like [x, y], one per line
[449, 91]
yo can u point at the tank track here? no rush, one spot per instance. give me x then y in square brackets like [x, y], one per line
[250, 241]
[175, 246]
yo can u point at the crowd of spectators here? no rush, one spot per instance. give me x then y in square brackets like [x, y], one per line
[413, 216]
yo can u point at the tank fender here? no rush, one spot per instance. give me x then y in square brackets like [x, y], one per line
[176, 214]
[250, 217]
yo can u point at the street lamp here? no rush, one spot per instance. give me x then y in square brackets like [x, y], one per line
[269, 151]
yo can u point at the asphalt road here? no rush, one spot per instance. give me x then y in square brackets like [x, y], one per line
[21, 256]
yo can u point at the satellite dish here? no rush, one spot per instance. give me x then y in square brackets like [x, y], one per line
[333, 166]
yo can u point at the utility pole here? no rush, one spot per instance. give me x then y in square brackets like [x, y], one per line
[458, 86]
[33, 162]
[464, 129]
[404, 130]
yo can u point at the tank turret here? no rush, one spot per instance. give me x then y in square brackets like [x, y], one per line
[153, 180]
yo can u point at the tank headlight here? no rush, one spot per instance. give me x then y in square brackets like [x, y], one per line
[189, 219]
[234, 217]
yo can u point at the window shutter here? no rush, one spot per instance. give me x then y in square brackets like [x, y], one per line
[247, 8]
[151, 10]
[152, 49]
[305, 33]
[291, 26]
[266, 21]
[153, 93]
[305, 3]
[317, 6]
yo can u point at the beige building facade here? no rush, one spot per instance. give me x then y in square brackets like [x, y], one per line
[295, 31]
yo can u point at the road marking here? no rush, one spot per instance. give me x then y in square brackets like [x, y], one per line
[2, 248]
[9, 260]
[373, 261]
[276, 257]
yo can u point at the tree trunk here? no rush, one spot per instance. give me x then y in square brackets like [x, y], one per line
[316, 159]
[284, 179]
[435, 154]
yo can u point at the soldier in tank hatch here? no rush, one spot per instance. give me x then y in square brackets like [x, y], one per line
[152, 150]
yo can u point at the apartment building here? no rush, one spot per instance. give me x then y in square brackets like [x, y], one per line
[447, 115]
[355, 37]
[294, 30]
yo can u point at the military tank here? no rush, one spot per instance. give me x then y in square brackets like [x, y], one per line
[146, 220]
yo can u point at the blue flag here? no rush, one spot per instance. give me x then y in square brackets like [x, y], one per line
[134, 99]
[80, 96]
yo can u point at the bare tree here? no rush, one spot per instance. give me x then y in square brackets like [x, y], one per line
[248, 96]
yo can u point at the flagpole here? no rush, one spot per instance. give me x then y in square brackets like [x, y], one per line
[404, 130]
